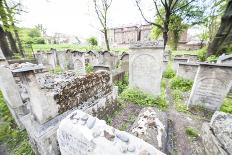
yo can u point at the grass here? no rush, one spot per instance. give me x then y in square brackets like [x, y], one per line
[130, 121]
[138, 97]
[122, 84]
[47, 47]
[227, 106]
[17, 140]
[182, 52]
[180, 83]
[169, 73]
[192, 132]
[179, 103]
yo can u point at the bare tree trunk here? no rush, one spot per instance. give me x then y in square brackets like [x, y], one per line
[106, 39]
[175, 39]
[224, 33]
[12, 42]
[4, 44]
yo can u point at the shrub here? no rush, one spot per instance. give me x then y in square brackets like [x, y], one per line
[192, 132]
[201, 54]
[212, 58]
[227, 106]
[92, 41]
[89, 68]
[169, 72]
[181, 84]
[138, 97]
[122, 85]
[15, 138]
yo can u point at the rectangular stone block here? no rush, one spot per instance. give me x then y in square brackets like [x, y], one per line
[82, 134]
[187, 70]
[212, 83]
[145, 68]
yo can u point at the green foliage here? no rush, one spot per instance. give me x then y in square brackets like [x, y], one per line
[16, 139]
[89, 68]
[92, 41]
[180, 83]
[201, 54]
[122, 85]
[30, 36]
[169, 72]
[138, 97]
[191, 132]
[130, 121]
[212, 58]
[57, 70]
[178, 99]
[228, 49]
[227, 106]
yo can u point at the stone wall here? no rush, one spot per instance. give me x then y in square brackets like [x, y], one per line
[80, 133]
[211, 85]
[187, 70]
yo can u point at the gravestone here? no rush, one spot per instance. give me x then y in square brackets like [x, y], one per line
[225, 59]
[52, 59]
[165, 65]
[2, 58]
[62, 60]
[187, 70]
[101, 68]
[91, 58]
[82, 134]
[191, 57]
[78, 62]
[177, 61]
[145, 67]
[212, 83]
[125, 62]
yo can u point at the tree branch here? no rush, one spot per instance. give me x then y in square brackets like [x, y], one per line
[183, 6]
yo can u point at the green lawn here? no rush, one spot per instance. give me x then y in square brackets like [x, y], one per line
[47, 47]
[182, 52]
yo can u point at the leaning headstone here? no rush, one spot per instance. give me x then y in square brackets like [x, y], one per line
[187, 70]
[145, 67]
[82, 134]
[211, 85]
[217, 134]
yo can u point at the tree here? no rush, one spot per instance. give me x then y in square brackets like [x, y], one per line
[223, 37]
[101, 9]
[165, 9]
[92, 41]
[3, 43]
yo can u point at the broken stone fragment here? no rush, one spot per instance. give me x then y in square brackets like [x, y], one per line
[84, 117]
[123, 149]
[144, 152]
[122, 137]
[91, 122]
[109, 136]
[131, 148]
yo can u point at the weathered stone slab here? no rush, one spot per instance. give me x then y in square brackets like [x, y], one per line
[177, 61]
[92, 58]
[78, 62]
[187, 70]
[151, 126]
[145, 68]
[211, 85]
[225, 59]
[125, 62]
[79, 136]
[101, 68]
[217, 135]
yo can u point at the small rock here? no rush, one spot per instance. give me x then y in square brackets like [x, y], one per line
[96, 133]
[83, 122]
[122, 137]
[91, 122]
[84, 117]
[123, 149]
[144, 152]
[109, 136]
[131, 148]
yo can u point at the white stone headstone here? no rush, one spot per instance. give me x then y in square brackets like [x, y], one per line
[145, 68]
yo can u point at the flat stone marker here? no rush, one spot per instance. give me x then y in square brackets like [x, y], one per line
[93, 137]
[211, 85]
[145, 67]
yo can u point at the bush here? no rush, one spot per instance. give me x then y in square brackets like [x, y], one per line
[92, 41]
[122, 85]
[192, 132]
[138, 97]
[227, 106]
[169, 72]
[201, 54]
[181, 84]
[16, 139]
[89, 68]
[212, 58]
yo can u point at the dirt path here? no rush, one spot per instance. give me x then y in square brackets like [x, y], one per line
[182, 143]
[124, 119]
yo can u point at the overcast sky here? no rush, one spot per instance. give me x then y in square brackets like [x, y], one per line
[77, 17]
